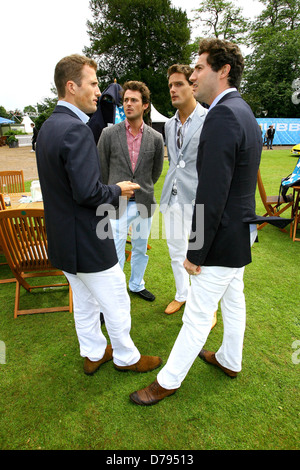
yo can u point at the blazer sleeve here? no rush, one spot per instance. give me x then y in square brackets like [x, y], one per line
[82, 165]
[215, 165]
[158, 160]
[104, 155]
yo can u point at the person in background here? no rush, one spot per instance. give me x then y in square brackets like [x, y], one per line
[70, 178]
[270, 137]
[34, 136]
[134, 151]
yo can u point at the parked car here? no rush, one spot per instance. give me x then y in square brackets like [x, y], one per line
[296, 150]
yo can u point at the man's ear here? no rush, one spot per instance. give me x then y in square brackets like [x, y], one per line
[70, 87]
[225, 71]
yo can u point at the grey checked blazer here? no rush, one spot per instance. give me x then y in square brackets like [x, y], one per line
[187, 178]
[116, 166]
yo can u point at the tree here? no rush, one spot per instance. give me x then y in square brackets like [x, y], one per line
[45, 109]
[4, 113]
[275, 62]
[138, 40]
[222, 19]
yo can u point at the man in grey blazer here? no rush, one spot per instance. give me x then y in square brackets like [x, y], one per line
[182, 134]
[134, 151]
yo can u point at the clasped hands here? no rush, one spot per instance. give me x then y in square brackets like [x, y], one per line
[128, 188]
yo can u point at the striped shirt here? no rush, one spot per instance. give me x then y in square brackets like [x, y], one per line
[134, 143]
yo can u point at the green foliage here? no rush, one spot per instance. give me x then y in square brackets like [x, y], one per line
[11, 139]
[222, 19]
[4, 113]
[138, 40]
[45, 110]
[48, 403]
[275, 62]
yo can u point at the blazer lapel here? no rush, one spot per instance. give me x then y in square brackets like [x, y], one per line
[190, 132]
[193, 127]
[123, 144]
[172, 140]
[143, 147]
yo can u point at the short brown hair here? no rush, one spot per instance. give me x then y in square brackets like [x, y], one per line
[70, 68]
[142, 88]
[181, 68]
[222, 52]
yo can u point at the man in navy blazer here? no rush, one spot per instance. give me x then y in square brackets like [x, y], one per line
[220, 244]
[70, 178]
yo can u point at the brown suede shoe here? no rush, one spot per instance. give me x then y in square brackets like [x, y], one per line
[151, 394]
[173, 307]
[90, 367]
[145, 364]
[210, 358]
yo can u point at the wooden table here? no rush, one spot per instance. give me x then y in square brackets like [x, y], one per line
[295, 213]
[16, 204]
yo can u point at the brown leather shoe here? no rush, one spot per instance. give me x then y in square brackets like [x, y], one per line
[210, 358]
[173, 307]
[151, 394]
[145, 364]
[90, 367]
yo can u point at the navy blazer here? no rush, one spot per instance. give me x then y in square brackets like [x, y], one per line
[69, 173]
[228, 160]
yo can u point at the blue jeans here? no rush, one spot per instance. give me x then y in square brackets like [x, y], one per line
[140, 230]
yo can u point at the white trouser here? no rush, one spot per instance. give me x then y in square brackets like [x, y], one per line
[213, 284]
[139, 238]
[178, 222]
[103, 291]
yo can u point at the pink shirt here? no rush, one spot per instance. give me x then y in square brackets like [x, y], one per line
[134, 143]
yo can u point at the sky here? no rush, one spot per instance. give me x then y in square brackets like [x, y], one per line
[35, 35]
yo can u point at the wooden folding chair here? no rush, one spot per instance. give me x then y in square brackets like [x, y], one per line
[11, 279]
[14, 181]
[24, 241]
[274, 205]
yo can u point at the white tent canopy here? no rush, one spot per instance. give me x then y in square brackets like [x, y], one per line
[27, 124]
[156, 116]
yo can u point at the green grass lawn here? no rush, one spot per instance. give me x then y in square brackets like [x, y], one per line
[47, 402]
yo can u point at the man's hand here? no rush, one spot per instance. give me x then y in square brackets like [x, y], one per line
[128, 188]
[191, 268]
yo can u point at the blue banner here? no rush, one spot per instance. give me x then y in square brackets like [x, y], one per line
[287, 131]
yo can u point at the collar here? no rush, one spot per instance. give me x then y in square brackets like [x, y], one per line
[190, 116]
[84, 117]
[128, 126]
[217, 99]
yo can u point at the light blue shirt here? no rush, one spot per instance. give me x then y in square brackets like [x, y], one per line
[84, 118]
[217, 99]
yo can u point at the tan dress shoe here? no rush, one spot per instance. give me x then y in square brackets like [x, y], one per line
[145, 364]
[90, 367]
[151, 394]
[210, 358]
[173, 307]
[214, 321]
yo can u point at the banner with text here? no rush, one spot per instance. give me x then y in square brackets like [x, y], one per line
[287, 131]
